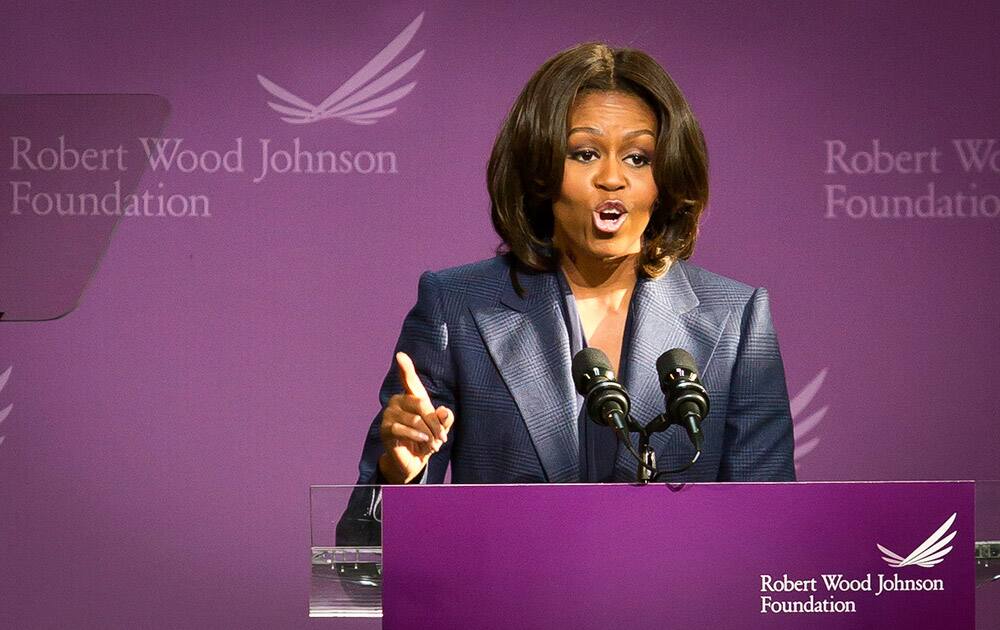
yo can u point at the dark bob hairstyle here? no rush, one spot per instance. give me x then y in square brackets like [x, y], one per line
[526, 166]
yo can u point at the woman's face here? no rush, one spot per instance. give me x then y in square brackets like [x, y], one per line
[608, 191]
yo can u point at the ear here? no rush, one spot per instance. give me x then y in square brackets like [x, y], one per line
[538, 188]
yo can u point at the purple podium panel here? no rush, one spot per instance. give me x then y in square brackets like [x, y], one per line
[822, 555]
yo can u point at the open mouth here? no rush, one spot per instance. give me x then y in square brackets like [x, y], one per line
[609, 216]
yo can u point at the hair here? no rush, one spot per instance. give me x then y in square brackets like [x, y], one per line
[526, 165]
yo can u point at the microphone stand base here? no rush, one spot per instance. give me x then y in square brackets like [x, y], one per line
[644, 472]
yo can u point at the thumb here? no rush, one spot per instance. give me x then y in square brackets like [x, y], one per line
[446, 417]
[411, 382]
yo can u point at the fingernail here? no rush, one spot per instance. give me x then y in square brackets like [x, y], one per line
[424, 438]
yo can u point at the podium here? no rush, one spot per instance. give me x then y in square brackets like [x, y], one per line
[830, 555]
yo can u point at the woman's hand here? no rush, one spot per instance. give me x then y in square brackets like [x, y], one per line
[412, 429]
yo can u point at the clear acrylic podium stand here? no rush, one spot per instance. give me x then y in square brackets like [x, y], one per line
[346, 578]
[987, 554]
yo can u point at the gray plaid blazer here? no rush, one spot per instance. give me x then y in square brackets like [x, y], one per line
[502, 363]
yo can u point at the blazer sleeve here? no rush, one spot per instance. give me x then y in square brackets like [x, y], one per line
[425, 338]
[758, 439]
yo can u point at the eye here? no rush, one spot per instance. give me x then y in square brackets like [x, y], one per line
[638, 159]
[584, 155]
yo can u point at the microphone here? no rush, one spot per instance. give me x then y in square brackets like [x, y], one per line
[686, 397]
[606, 400]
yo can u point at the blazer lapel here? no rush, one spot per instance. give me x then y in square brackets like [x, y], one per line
[527, 339]
[664, 315]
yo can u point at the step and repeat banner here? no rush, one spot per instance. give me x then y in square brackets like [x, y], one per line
[238, 228]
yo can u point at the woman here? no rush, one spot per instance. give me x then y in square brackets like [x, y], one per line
[597, 181]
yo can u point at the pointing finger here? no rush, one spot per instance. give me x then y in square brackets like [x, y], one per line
[411, 382]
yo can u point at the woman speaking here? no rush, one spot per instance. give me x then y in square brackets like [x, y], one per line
[597, 181]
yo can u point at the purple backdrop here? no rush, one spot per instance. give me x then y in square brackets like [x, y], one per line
[156, 445]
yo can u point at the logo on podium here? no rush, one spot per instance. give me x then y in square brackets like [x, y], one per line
[928, 553]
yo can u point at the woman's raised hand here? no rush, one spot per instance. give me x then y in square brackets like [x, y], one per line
[412, 429]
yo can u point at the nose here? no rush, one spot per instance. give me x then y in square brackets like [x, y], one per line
[611, 176]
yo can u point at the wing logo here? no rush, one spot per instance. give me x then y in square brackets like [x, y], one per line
[6, 410]
[802, 427]
[362, 99]
[928, 553]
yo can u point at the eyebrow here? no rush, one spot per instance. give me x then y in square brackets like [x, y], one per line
[598, 132]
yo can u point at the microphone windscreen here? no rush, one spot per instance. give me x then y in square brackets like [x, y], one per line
[673, 359]
[583, 367]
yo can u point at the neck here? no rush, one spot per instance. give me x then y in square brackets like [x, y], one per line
[590, 276]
